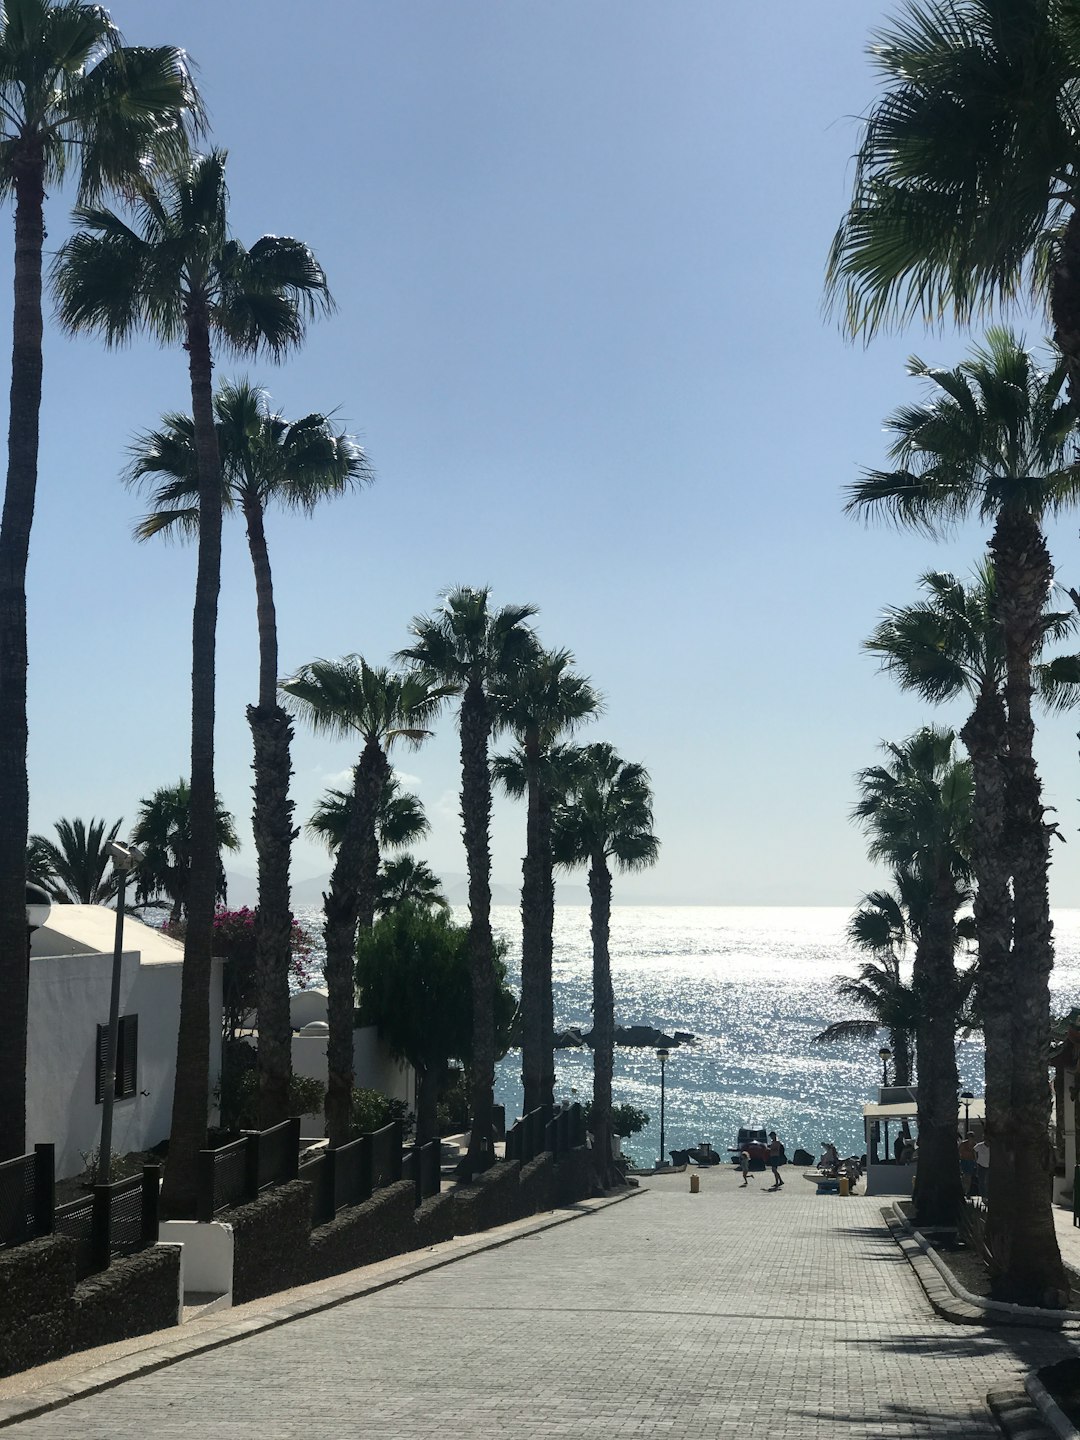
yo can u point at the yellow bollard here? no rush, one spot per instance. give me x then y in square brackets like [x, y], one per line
[845, 1188]
[695, 1184]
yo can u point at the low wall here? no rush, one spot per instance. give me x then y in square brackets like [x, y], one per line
[491, 1199]
[36, 1283]
[434, 1221]
[364, 1234]
[574, 1178]
[134, 1296]
[207, 1263]
[536, 1186]
[270, 1241]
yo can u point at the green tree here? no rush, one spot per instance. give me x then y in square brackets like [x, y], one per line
[471, 647]
[73, 98]
[604, 816]
[77, 864]
[540, 700]
[993, 439]
[399, 821]
[916, 809]
[412, 978]
[265, 460]
[162, 832]
[349, 699]
[408, 881]
[966, 184]
[185, 280]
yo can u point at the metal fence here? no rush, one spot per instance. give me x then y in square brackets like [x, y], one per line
[236, 1173]
[351, 1173]
[26, 1196]
[112, 1220]
[386, 1155]
[545, 1129]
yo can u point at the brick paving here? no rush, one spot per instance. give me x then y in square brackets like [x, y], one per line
[731, 1312]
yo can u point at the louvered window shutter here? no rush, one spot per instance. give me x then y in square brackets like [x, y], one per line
[128, 1066]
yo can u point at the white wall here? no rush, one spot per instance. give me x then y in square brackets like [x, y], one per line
[69, 998]
[374, 1068]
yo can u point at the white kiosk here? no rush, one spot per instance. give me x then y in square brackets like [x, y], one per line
[896, 1113]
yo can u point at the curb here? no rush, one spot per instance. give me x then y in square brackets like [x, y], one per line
[1051, 1412]
[951, 1301]
[144, 1362]
[1016, 1414]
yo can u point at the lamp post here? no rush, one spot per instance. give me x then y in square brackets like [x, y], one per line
[662, 1056]
[125, 858]
[885, 1055]
[966, 1096]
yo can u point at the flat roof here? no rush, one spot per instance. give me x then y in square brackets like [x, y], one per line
[91, 930]
[975, 1109]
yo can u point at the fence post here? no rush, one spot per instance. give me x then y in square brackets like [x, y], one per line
[365, 1171]
[151, 1191]
[399, 1143]
[292, 1153]
[100, 1225]
[418, 1175]
[329, 1195]
[204, 1188]
[44, 1188]
[251, 1166]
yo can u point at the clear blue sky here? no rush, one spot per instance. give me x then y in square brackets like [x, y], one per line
[577, 249]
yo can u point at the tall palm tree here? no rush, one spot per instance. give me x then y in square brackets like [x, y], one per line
[471, 647]
[77, 863]
[73, 97]
[966, 183]
[265, 460]
[605, 815]
[348, 699]
[542, 699]
[916, 809]
[162, 831]
[994, 439]
[408, 881]
[184, 279]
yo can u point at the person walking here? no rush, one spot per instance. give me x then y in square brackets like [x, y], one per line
[776, 1158]
[967, 1161]
[982, 1167]
[744, 1160]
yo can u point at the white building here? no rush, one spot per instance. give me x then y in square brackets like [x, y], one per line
[70, 979]
[374, 1068]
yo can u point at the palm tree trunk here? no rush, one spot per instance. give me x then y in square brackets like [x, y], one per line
[1065, 302]
[1026, 1254]
[901, 1048]
[603, 1019]
[18, 515]
[475, 721]
[547, 999]
[985, 737]
[938, 1187]
[271, 733]
[532, 941]
[191, 1093]
[376, 768]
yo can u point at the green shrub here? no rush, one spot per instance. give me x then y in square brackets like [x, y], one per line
[626, 1120]
[239, 1097]
[372, 1110]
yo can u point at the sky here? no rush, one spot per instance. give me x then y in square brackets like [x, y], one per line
[577, 249]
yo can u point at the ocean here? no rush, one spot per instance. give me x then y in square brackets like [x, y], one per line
[754, 985]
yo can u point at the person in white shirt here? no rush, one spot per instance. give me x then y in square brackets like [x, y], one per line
[982, 1166]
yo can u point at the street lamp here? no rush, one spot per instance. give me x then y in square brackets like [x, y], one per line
[966, 1096]
[124, 858]
[885, 1055]
[662, 1055]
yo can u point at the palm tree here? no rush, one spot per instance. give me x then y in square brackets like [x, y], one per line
[77, 862]
[471, 648]
[966, 184]
[72, 97]
[346, 699]
[187, 281]
[408, 881]
[162, 832]
[993, 439]
[541, 700]
[916, 809]
[605, 815]
[399, 821]
[265, 459]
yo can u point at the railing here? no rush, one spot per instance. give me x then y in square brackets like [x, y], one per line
[544, 1129]
[386, 1155]
[118, 1219]
[26, 1196]
[351, 1173]
[236, 1173]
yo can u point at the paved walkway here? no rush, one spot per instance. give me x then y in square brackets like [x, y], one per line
[730, 1313]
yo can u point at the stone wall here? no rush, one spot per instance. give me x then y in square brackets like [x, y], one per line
[136, 1295]
[379, 1228]
[536, 1185]
[36, 1283]
[270, 1239]
[575, 1178]
[434, 1221]
[492, 1199]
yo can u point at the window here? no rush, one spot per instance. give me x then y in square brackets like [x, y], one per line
[127, 1056]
